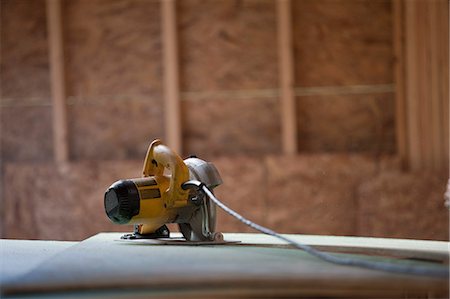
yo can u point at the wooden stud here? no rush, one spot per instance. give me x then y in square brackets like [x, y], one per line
[423, 83]
[57, 80]
[411, 74]
[399, 67]
[286, 77]
[435, 114]
[445, 75]
[426, 84]
[171, 76]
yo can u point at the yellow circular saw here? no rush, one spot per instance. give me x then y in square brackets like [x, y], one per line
[154, 200]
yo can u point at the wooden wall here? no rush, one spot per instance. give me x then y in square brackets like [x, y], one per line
[344, 68]
[226, 68]
[113, 66]
[348, 176]
[25, 94]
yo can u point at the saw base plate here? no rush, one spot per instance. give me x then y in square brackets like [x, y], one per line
[175, 241]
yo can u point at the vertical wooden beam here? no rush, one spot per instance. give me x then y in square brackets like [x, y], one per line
[426, 83]
[57, 80]
[435, 115]
[171, 75]
[423, 83]
[445, 75]
[411, 77]
[286, 77]
[399, 67]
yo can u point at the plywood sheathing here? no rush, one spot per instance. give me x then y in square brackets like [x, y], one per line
[315, 194]
[113, 48]
[24, 62]
[115, 128]
[26, 128]
[26, 133]
[312, 194]
[244, 190]
[347, 123]
[407, 204]
[60, 203]
[222, 127]
[342, 43]
[105, 98]
[227, 34]
[114, 72]
[227, 45]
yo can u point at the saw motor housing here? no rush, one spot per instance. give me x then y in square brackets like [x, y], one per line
[157, 198]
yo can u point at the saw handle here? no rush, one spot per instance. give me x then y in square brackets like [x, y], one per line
[160, 157]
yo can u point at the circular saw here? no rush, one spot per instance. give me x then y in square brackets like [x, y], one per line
[157, 198]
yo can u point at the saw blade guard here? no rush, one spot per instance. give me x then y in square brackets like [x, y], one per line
[202, 224]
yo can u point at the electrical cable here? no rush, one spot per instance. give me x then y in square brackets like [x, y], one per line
[440, 272]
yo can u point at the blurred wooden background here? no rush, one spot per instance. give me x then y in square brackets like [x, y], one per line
[323, 116]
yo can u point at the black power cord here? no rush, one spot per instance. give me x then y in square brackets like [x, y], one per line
[346, 261]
